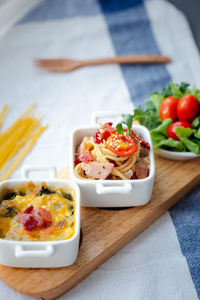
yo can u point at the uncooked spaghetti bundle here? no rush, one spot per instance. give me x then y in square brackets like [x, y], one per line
[18, 139]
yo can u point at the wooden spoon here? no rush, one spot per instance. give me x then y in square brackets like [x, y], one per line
[66, 65]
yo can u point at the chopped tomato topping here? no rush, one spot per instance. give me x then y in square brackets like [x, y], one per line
[104, 133]
[45, 215]
[144, 143]
[134, 176]
[97, 137]
[121, 145]
[31, 223]
[28, 210]
[131, 133]
[76, 162]
[86, 157]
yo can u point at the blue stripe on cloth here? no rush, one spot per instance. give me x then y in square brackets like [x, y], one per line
[186, 219]
[131, 33]
[118, 5]
[61, 9]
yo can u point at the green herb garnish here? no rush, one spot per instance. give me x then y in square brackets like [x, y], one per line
[127, 119]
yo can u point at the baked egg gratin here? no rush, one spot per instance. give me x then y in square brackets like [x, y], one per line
[37, 213]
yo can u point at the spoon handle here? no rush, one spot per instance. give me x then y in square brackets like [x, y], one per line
[129, 59]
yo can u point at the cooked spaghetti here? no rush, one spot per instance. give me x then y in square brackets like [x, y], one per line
[109, 155]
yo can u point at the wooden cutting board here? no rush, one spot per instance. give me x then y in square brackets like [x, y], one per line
[105, 231]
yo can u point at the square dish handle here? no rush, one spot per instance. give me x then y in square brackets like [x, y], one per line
[123, 188]
[51, 171]
[20, 251]
[96, 116]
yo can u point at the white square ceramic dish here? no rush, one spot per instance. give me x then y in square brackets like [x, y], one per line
[113, 193]
[47, 254]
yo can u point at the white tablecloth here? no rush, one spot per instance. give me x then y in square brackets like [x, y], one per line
[152, 266]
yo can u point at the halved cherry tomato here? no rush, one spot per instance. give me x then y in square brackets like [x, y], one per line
[171, 129]
[121, 145]
[168, 108]
[187, 108]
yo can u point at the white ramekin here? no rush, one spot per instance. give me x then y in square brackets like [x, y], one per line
[48, 254]
[112, 193]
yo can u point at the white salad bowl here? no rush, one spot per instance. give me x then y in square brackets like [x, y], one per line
[113, 193]
[176, 155]
[41, 254]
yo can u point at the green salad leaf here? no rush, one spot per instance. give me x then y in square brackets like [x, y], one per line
[184, 132]
[184, 87]
[196, 93]
[162, 128]
[191, 145]
[196, 122]
[156, 99]
[160, 138]
[174, 90]
[197, 134]
[170, 144]
[148, 116]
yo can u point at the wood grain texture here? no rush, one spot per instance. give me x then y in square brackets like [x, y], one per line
[66, 64]
[105, 231]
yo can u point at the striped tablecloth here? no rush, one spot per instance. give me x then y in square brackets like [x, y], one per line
[164, 261]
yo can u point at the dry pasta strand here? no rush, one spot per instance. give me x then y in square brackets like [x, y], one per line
[16, 125]
[17, 146]
[18, 139]
[2, 114]
[24, 152]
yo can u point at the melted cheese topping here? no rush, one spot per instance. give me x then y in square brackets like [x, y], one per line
[61, 209]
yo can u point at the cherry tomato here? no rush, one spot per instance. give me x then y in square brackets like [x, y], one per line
[171, 129]
[187, 108]
[121, 145]
[168, 108]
